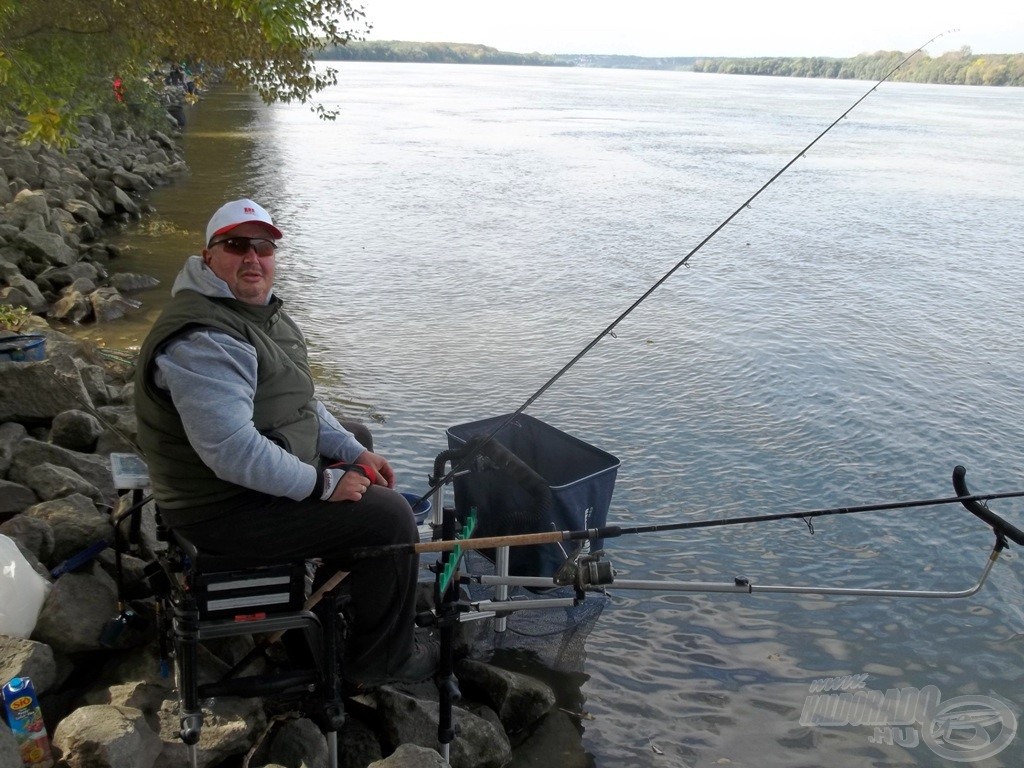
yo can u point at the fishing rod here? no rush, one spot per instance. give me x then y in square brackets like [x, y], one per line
[585, 571]
[973, 502]
[436, 483]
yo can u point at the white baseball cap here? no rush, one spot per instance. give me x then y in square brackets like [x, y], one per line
[230, 215]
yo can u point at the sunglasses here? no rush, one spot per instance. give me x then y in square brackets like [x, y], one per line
[240, 246]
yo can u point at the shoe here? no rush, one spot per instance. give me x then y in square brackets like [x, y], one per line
[421, 664]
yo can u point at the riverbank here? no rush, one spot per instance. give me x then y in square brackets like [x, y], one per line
[60, 420]
[56, 207]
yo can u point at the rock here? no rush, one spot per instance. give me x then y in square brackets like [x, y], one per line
[128, 282]
[95, 469]
[82, 285]
[76, 611]
[57, 278]
[358, 746]
[148, 698]
[47, 247]
[14, 497]
[71, 308]
[75, 521]
[131, 182]
[519, 700]
[106, 736]
[39, 391]
[31, 533]
[84, 212]
[409, 720]
[27, 205]
[95, 381]
[21, 291]
[10, 757]
[11, 434]
[230, 728]
[76, 430]
[121, 429]
[27, 658]
[73, 177]
[556, 741]
[49, 482]
[299, 743]
[412, 756]
[9, 260]
[124, 202]
[109, 305]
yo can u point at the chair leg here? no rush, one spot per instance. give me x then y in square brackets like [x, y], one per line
[333, 704]
[186, 641]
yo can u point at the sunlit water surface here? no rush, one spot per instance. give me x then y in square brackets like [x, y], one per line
[460, 232]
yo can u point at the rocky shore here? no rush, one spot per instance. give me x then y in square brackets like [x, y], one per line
[108, 703]
[54, 208]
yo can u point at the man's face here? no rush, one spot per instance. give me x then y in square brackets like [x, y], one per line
[249, 276]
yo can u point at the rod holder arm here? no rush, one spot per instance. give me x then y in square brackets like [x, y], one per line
[975, 507]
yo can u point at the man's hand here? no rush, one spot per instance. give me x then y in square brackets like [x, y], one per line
[368, 469]
[351, 487]
[385, 474]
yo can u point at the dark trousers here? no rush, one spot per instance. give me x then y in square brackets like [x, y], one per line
[383, 589]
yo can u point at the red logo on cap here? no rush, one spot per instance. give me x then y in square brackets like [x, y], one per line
[250, 210]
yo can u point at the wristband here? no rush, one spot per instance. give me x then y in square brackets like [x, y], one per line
[331, 478]
[365, 469]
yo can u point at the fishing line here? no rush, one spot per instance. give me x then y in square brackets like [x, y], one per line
[609, 329]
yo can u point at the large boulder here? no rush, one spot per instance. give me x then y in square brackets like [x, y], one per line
[519, 700]
[50, 482]
[106, 736]
[410, 720]
[47, 247]
[230, 728]
[38, 391]
[75, 521]
[14, 497]
[21, 291]
[76, 430]
[10, 757]
[412, 756]
[299, 742]
[31, 534]
[77, 610]
[31, 453]
[28, 205]
[26, 658]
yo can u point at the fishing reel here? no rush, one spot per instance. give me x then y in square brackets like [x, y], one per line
[585, 570]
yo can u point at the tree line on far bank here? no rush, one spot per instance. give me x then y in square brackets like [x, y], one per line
[433, 53]
[960, 67]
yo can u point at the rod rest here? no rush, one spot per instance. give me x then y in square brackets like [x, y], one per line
[975, 507]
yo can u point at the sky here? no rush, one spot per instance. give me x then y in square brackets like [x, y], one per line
[705, 27]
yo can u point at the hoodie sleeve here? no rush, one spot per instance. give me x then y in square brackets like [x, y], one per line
[336, 441]
[211, 378]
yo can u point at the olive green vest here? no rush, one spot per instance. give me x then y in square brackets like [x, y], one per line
[283, 408]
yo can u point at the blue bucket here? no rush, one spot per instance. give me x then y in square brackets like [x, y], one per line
[420, 510]
[23, 349]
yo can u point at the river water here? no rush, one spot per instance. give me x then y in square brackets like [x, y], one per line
[460, 232]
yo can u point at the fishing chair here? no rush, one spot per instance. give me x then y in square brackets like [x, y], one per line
[209, 596]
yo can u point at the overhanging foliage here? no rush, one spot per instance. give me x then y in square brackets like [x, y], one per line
[59, 59]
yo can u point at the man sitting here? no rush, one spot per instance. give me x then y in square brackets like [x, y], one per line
[244, 459]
